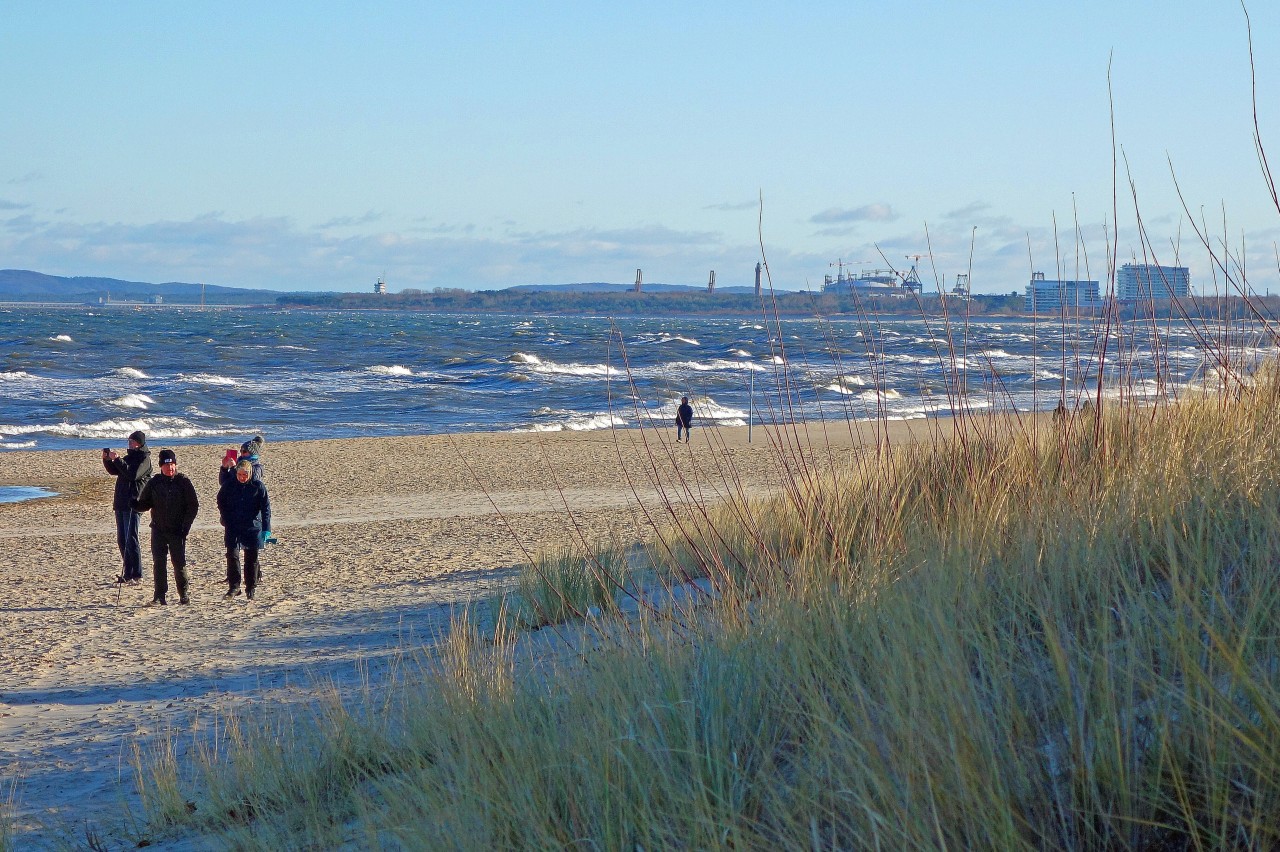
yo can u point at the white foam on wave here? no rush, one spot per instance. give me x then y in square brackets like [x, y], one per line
[133, 400]
[393, 370]
[16, 445]
[554, 368]
[578, 423]
[156, 428]
[702, 366]
[131, 373]
[704, 409]
[15, 376]
[740, 353]
[209, 379]
[62, 338]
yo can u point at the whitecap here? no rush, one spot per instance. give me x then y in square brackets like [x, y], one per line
[578, 423]
[157, 428]
[62, 338]
[131, 373]
[209, 379]
[16, 445]
[133, 400]
[524, 358]
[553, 368]
[15, 376]
[740, 353]
[393, 370]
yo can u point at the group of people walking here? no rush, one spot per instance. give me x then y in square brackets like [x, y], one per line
[244, 510]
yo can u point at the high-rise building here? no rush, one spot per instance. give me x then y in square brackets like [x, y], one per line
[1053, 296]
[1141, 282]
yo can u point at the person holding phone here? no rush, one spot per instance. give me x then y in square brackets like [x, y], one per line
[131, 472]
[248, 450]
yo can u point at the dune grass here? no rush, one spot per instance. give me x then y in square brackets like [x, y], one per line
[1061, 637]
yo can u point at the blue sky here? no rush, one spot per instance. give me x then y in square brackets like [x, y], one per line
[483, 145]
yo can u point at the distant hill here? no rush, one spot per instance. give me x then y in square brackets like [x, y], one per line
[21, 285]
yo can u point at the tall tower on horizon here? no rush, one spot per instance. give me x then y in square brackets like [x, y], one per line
[759, 268]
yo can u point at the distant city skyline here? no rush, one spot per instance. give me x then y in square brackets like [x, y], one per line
[321, 147]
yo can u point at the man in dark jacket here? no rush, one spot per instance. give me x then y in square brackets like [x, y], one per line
[244, 510]
[684, 420]
[131, 473]
[171, 499]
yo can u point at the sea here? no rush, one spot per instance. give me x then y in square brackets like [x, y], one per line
[77, 378]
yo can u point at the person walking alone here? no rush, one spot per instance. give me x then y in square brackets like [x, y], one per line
[131, 472]
[171, 500]
[244, 509]
[684, 420]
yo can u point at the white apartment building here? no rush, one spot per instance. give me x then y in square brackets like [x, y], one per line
[1141, 282]
[1053, 296]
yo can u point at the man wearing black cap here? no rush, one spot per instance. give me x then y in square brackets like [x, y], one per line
[131, 473]
[171, 499]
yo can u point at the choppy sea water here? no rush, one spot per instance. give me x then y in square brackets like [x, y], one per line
[76, 378]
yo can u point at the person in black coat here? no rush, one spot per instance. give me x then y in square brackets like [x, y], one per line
[171, 499]
[684, 420]
[131, 473]
[244, 509]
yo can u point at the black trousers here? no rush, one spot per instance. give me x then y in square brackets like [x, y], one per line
[250, 566]
[173, 546]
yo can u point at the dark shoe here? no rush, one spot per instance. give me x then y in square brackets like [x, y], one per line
[248, 593]
[184, 600]
[232, 592]
[158, 601]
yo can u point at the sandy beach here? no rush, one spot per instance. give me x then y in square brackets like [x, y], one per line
[379, 540]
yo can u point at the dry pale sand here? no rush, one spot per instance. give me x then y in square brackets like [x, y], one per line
[379, 540]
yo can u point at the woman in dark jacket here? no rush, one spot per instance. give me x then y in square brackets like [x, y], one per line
[131, 473]
[244, 510]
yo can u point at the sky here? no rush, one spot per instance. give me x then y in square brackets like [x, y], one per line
[481, 145]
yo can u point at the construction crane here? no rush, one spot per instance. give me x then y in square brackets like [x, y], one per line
[911, 281]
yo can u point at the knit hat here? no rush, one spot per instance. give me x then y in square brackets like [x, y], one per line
[168, 456]
[140, 437]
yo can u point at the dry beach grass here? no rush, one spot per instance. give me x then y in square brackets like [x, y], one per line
[1006, 638]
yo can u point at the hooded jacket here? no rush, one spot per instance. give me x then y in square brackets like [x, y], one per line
[172, 502]
[132, 470]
